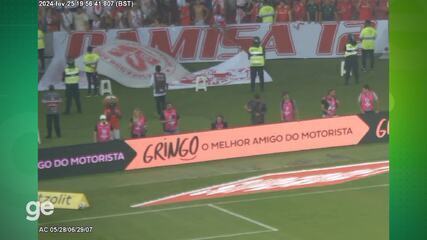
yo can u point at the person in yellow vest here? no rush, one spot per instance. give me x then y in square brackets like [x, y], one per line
[71, 78]
[368, 36]
[257, 61]
[266, 12]
[90, 60]
[41, 46]
[351, 59]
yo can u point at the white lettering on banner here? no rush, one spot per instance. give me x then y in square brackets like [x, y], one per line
[195, 44]
[279, 182]
[81, 160]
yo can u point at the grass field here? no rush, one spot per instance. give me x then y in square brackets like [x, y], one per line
[307, 80]
[354, 210]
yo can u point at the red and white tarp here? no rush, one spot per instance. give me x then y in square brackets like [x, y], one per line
[207, 44]
[132, 65]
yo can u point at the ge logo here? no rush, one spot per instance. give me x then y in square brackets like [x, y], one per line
[35, 208]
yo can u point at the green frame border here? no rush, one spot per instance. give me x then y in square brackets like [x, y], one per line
[408, 47]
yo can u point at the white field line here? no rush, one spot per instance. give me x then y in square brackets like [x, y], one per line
[243, 217]
[230, 235]
[217, 203]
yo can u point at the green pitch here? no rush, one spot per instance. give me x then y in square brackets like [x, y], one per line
[355, 210]
[307, 80]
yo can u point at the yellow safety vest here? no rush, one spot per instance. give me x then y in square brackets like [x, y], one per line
[90, 60]
[257, 58]
[72, 75]
[368, 36]
[350, 49]
[266, 13]
[40, 39]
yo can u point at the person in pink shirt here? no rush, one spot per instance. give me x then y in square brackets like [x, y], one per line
[170, 119]
[288, 108]
[103, 131]
[368, 100]
[138, 124]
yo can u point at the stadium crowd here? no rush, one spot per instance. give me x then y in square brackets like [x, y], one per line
[156, 13]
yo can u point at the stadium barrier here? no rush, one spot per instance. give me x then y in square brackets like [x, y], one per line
[212, 145]
[65, 200]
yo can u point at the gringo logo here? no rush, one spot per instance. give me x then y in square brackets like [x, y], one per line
[34, 208]
[186, 149]
[383, 128]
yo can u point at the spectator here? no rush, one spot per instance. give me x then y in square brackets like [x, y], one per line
[219, 19]
[113, 114]
[257, 108]
[170, 119]
[217, 5]
[266, 12]
[283, 11]
[138, 124]
[329, 104]
[344, 10]
[367, 100]
[365, 10]
[312, 9]
[185, 12]
[107, 20]
[67, 21]
[381, 11]
[81, 20]
[219, 123]
[160, 87]
[52, 20]
[120, 18]
[328, 11]
[149, 11]
[40, 46]
[165, 12]
[253, 9]
[298, 10]
[288, 108]
[200, 13]
[229, 10]
[96, 23]
[157, 23]
[52, 99]
[102, 131]
[135, 18]
[241, 6]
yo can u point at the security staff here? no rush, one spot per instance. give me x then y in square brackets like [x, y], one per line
[257, 61]
[91, 62]
[41, 46]
[160, 86]
[266, 13]
[351, 59]
[368, 36]
[71, 79]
